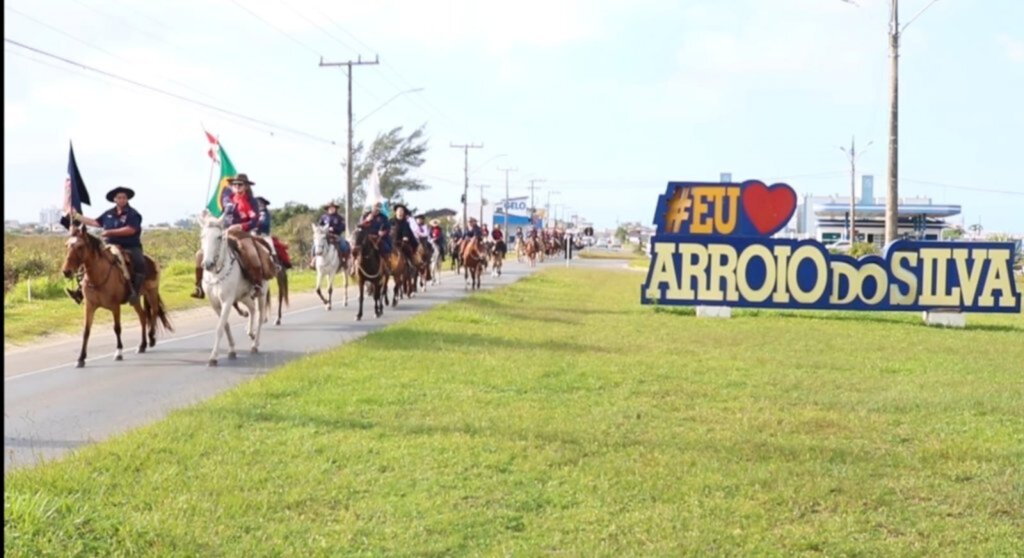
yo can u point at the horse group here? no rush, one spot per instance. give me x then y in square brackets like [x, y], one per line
[105, 283]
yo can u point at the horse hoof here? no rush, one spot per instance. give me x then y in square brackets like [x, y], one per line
[254, 350]
[277, 322]
[152, 343]
[232, 355]
[118, 357]
[211, 363]
[81, 364]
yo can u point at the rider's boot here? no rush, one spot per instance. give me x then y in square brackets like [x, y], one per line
[198, 292]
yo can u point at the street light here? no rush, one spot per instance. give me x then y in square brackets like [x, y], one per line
[397, 95]
[480, 166]
[852, 155]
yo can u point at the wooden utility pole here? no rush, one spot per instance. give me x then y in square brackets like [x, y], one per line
[852, 155]
[348, 163]
[892, 199]
[533, 207]
[465, 147]
[505, 209]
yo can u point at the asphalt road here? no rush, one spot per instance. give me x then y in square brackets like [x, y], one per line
[51, 407]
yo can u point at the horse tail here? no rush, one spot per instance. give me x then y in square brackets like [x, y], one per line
[282, 287]
[158, 314]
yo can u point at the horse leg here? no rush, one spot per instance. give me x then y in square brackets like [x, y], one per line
[261, 308]
[151, 309]
[144, 319]
[330, 289]
[116, 311]
[378, 303]
[224, 310]
[359, 314]
[90, 312]
[345, 273]
[319, 278]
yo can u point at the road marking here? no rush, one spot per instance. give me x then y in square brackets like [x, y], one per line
[242, 322]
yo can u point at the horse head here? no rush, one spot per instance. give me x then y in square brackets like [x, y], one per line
[212, 239]
[319, 239]
[80, 246]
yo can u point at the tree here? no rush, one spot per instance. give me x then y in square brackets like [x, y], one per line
[621, 234]
[278, 217]
[396, 156]
[955, 233]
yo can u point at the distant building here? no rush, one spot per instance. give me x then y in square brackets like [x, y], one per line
[827, 218]
[50, 216]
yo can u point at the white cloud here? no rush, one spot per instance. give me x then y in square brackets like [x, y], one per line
[1013, 48]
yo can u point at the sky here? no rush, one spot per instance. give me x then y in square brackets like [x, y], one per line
[601, 102]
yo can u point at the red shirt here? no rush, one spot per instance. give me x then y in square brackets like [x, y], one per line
[247, 216]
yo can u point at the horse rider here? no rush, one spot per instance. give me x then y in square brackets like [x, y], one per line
[376, 224]
[278, 248]
[243, 219]
[499, 241]
[335, 224]
[407, 241]
[473, 230]
[436, 235]
[122, 227]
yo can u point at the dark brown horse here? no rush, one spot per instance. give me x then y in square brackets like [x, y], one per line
[371, 269]
[473, 260]
[105, 286]
[282, 290]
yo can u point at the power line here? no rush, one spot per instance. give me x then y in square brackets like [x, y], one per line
[170, 94]
[969, 188]
[276, 28]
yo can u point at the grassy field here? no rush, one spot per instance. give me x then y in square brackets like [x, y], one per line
[558, 416]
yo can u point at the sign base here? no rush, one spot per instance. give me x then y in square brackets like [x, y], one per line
[714, 312]
[944, 318]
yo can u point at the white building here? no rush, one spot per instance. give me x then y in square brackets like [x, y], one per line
[826, 218]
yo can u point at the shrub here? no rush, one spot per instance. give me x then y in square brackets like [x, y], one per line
[860, 249]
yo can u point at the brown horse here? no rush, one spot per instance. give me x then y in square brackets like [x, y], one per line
[532, 250]
[370, 268]
[105, 286]
[473, 260]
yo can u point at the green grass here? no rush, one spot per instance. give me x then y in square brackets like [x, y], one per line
[52, 311]
[558, 416]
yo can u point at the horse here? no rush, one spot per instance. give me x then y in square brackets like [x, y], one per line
[425, 270]
[370, 268]
[329, 261]
[474, 262]
[403, 271]
[225, 285]
[453, 249]
[497, 259]
[532, 249]
[105, 286]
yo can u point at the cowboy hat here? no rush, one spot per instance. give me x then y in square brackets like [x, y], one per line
[263, 200]
[402, 205]
[241, 178]
[331, 204]
[421, 216]
[120, 189]
[472, 220]
[435, 223]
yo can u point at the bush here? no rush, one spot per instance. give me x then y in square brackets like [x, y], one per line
[47, 288]
[860, 249]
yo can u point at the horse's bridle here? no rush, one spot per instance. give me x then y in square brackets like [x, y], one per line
[218, 261]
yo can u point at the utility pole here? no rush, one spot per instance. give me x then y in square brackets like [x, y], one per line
[482, 186]
[465, 147]
[505, 209]
[533, 207]
[547, 207]
[892, 200]
[348, 163]
[852, 155]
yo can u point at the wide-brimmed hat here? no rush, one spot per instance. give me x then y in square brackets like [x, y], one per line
[331, 204]
[435, 223]
[472, 220]
[397, 205]
[421, 217]
[127, 191]
[263, 200]
[242, 178]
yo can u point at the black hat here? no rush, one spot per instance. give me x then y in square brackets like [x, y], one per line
[402, 205]
[331, 204]
[263, 200]
[126, 190]
[242, 178]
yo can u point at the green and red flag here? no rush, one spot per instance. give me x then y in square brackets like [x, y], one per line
[222, 193]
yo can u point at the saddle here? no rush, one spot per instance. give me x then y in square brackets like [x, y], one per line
[122, 262]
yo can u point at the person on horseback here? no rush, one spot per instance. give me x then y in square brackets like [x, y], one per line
[499, 241]
[375, 223]
[473, 230]
[335, 224]
[122, 227]
[404, 234]
[280, 250]
[242, 218]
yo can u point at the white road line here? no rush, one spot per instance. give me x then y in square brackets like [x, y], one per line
[170, 340]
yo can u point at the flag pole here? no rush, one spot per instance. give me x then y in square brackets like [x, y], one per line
[209, 179]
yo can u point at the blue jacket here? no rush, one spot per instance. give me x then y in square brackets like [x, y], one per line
[112, 219]
[334, 223]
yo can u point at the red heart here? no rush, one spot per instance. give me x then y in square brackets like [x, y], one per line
[768, 208]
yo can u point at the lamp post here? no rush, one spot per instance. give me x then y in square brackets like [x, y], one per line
[852, 155]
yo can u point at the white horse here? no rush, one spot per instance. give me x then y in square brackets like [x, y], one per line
[435, 264]
[328, 263]
[225, 286]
